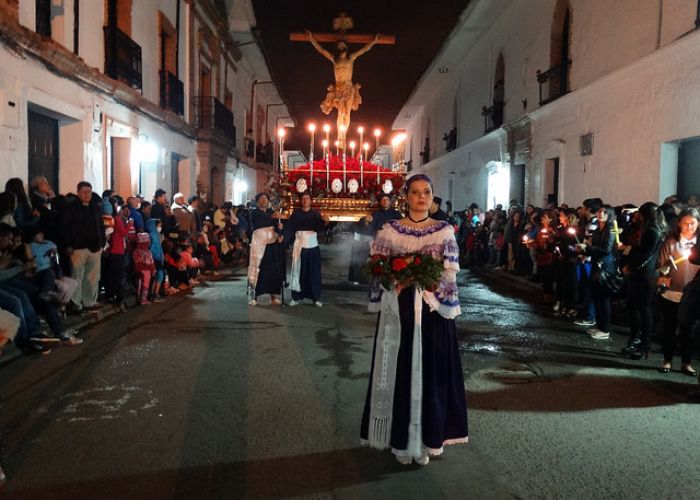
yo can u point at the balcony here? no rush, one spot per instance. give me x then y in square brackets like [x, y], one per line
[450, 139]
[554, 82]
[493, 116]
[211, 114]
[122, 58]
[172, 93]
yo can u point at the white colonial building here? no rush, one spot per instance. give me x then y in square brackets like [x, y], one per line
[132, 95]
[553, 99]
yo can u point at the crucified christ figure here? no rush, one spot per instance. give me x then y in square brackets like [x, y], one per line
[344, 95]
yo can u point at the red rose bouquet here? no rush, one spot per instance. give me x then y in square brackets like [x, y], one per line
[411, 269]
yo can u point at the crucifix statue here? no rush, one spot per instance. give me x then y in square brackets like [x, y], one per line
[344, 95]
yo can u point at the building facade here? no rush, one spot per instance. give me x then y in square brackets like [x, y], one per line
[560, 100]
[132, 95]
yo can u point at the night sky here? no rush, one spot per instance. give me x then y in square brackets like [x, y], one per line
[388, 73]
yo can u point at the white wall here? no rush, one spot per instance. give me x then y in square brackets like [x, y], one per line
[634, 85]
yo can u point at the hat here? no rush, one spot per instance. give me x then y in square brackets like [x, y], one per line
[143, 238]
[192, 198]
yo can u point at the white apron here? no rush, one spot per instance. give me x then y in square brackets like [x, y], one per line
[261, 238]
[302, 239]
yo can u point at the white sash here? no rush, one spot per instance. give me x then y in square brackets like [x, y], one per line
[261, 238]
[384, 375]
[302, 239]
[362, 237]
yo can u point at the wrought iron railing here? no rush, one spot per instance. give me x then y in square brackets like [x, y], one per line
[450, 139]
[493, 116]
[554, 82]
[172, 93]
[122, 57]
[211, 114]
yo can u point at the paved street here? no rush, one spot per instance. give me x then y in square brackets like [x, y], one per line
[205, 397]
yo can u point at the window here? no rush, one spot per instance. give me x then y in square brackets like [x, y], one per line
[43, 17]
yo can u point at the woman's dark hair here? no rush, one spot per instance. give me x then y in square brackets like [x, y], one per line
[305, 193]
[260, 195]
[8, 202]
[417, 177]
[610, 211]
[686, 212]
[16, 186]
[654, 218]
[669, 212]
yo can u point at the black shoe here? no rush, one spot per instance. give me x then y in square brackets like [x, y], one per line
[663, 370]
[632, 346]
[690, 373]
[639, 352]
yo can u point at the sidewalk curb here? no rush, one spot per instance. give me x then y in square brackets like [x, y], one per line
[11, 352]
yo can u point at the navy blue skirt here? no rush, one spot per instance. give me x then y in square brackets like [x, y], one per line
[444, 413]
[272, 271]
[310, 275]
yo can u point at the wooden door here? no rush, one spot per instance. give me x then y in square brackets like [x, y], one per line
[43, 148]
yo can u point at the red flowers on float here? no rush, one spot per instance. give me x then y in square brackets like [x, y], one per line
[334, 180]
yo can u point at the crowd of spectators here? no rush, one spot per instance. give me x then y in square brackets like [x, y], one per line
[584, 257]
[68, 254]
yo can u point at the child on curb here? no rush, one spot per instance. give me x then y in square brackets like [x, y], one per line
[144, 266]
[155, 229]
[45, 257]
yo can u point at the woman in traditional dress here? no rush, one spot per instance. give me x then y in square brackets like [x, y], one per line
[266, 265]
[301, 228]
[416, 401]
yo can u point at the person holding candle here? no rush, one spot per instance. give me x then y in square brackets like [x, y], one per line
[673, 280]
[641, 276]
[416, 401]
[566, 239]
[603, 254]
[301, 229]
[544, 244]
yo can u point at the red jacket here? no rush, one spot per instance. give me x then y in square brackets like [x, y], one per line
[117, 240]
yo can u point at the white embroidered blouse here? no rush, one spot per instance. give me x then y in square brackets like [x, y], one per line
[438, 241]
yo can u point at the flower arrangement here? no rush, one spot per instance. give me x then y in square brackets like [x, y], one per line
[412, 269]
[365, 177]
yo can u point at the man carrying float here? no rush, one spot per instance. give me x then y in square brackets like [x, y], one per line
[266, 268]
[302, 228]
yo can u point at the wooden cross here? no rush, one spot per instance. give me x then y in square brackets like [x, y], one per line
[342, 24]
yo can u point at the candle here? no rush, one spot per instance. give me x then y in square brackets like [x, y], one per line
[352, 149]
[327, 130]
[377, 133]
[365, 146]
[572, 232]
[312, 129]
[616, 230]
[326, 154]
[361, 131]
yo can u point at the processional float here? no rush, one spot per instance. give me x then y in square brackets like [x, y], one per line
[345, 185]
